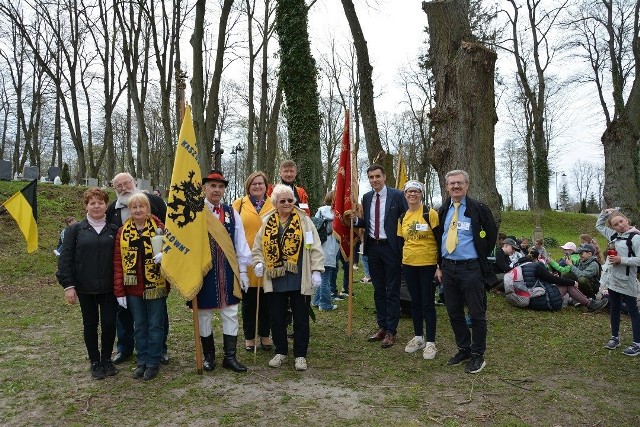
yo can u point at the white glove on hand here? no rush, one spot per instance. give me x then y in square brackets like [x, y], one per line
[122, 302]
[244, 281]
[316, 280]
[259, 269]
[157, 259]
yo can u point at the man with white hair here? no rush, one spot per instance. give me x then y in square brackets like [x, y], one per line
[118, 213]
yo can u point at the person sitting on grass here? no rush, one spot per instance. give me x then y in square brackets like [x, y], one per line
[586, 272]
[560, 266]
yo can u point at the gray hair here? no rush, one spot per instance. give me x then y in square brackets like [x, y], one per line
[457, 172]
[279, 190]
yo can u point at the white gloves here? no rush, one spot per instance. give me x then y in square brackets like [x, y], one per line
[316, 279]
[258, 269]
[157, 259]
[244, 281]
[122, 302]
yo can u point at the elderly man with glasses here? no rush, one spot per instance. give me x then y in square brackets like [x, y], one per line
[118, 213]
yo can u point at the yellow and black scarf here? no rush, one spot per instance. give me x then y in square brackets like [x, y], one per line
[133, 243]
[281, 251]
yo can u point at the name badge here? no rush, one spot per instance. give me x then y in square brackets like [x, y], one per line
[422, 227]
[464, 226]
[303, 206]
[308, 237]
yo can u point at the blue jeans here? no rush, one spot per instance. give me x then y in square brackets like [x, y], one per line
[322, 297]
[148, 316]
[365, 265]
[124, 330]
[615, 303]
[422, 289]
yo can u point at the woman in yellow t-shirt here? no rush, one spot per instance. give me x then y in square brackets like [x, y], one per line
[419, 260]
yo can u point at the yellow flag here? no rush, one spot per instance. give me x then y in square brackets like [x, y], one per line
[187, 255]
[401, 177]
[23, 207]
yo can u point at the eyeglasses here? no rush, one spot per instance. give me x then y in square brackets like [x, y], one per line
[123, 184]
[413, 192]
[283, 201]
[454, 183]
[255, 184]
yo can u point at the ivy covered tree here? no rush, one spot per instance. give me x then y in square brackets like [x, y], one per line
[298, 75]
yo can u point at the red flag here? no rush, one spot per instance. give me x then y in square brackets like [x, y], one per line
[343, 201]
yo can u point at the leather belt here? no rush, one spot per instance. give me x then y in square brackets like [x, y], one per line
[460, 261]
[379, 241]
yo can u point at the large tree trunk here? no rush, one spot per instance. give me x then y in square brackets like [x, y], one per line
[464, 117]
[298, 73]
[367, 108]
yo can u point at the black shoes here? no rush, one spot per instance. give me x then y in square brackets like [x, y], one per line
[164, 359]
[97, 371]
[230, 362]
[460, 357]
[150, 373]
[121, 357]
[109, 369]
[209, 352]
[597, 305]
[139, 372]
[476, 364]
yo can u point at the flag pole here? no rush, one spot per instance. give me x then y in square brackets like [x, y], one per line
[196, 335]
[351, 248]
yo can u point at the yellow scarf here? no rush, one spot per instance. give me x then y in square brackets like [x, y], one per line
[281, 253]
[130, 241]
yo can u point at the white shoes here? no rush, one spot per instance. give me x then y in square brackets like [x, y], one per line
[414, 345]
[301, 364]
[429, 351]
[277, 360]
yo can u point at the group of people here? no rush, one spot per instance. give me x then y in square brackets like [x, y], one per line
[269, 259]
[588, 276]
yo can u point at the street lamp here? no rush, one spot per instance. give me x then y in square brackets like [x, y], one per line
[237, 149]
[557, 193]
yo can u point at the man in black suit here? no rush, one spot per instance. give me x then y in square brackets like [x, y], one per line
[117, 213]
[469, 233]
[382, 208]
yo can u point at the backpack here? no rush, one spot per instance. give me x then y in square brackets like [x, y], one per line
[425, 215]
[550, 301]
[321, 227]
[513, 279]
[629, 238]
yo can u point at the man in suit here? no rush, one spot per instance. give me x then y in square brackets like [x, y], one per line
[382, 208]
[469, 234]
[117, 213]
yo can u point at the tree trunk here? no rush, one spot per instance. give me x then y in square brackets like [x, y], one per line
[367, 107]
[298, 73]
[271, 142]
[464, 117]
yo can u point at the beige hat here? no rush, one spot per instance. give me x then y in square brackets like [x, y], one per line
[569, 245]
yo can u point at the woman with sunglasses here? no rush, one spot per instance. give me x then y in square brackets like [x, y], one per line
[288, 252]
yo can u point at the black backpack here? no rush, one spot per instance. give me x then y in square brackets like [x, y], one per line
[321, 227]
[629, 239]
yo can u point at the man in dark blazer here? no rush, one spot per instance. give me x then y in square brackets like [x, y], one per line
[117, 213]
[469, 234]
[383, 247]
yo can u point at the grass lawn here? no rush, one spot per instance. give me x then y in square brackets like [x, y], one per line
[543, 369]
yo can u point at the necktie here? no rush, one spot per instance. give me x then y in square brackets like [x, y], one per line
[216, 209]
[452, 235]
[376, 229]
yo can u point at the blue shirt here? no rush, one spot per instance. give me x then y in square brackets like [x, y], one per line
[465, 248]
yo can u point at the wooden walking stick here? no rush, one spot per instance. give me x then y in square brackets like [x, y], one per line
[196, 335]
[255, 335]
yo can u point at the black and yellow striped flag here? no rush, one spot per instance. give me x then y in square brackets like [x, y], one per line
[23, 207]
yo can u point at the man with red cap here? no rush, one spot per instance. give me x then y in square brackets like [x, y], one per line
[220, 290]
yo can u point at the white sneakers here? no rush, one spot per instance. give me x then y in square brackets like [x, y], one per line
[414, 345]
[429, 351]
[301, 364]
[277, 360]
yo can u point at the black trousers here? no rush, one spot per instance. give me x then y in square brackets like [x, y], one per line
[463, 285]
[279, 303]
[385, 269]
[249, 301]
[97, 310]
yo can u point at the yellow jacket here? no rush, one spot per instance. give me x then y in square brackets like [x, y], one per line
[251, 221]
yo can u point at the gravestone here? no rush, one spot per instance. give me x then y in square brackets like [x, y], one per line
[144, 184]
[5, 170]
[30, 173]
[92, 182]
[52, 172]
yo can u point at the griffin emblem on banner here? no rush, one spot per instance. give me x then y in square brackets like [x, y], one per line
[187, 207]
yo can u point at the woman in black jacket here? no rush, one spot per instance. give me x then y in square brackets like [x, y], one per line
[85, 271]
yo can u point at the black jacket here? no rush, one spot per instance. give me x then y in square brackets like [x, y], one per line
[158, 208]
[485, 233]
[86, 258]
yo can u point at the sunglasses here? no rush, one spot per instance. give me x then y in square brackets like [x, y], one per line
[283, 201]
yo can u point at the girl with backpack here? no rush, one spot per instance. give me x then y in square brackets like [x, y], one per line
[621, 276]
